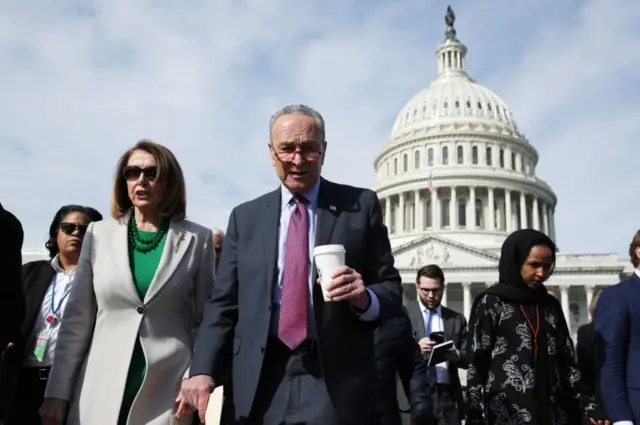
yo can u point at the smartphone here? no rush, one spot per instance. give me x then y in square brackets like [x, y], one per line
[438, 337]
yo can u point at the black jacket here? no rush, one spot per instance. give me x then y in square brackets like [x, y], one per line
[36, 277]
[398, 355]
[11, 296]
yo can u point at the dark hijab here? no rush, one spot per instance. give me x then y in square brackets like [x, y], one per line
[511, 288]
[515, 251]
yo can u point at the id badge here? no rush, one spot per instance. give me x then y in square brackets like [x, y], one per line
[41, 343]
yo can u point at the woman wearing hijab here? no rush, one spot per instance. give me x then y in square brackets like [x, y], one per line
[522, 368]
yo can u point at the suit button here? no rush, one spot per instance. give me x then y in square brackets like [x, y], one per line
[269, 307]
[262, 349]
[140, 309]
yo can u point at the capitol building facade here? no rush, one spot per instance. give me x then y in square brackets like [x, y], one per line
[456, 177]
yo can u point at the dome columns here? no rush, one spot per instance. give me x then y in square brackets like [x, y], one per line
[466, 207]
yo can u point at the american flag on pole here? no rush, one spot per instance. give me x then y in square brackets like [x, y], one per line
[430, 183]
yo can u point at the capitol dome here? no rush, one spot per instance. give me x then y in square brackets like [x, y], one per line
[454, 97]
[456, 167]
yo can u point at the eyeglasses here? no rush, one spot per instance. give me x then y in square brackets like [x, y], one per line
[287, 153]
[69, 228]
[133, 172]
[430, 290]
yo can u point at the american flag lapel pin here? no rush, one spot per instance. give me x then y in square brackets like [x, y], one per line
[180, 238]
[332, 207]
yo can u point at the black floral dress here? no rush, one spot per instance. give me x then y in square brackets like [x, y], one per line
[501, 373]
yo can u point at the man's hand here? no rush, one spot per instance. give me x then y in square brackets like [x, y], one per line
[194, 395]
[426, 345]
[347, 285]
[452, 354]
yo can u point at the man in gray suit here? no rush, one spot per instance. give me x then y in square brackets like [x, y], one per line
[294, 358]
[432, 323]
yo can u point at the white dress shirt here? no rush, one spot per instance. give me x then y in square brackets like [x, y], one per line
[437, 325]
[286, 209]
[61, 282]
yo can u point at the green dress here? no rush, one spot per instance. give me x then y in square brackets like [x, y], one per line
[143, 268]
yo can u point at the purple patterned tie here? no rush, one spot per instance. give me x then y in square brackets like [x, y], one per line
[292, 327]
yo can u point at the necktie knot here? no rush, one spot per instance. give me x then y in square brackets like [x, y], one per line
[299, 200]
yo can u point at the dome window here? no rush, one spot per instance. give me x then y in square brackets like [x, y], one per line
[444, 212]
[474, 155]
[446, 105]
[468, 104]
[405, 163]
[415, 112]
[489, 107]
[445, 155]
[462, 212]
[479, 105]
[457, 104]
[489, 156]
[424, 109]
[395, 165]
[430, 157]
[479, 214]
[460, 155]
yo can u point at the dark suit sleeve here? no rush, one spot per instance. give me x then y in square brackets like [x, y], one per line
[612, 322]
[380, 275]
[412, 371]
[585, 355]
[568, 368]
[11, 296]
[213, 345]
[463, 360]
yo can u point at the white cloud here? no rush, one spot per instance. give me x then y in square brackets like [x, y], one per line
[81, 82]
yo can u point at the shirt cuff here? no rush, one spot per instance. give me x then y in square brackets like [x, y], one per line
[373, 312]
[623, 423]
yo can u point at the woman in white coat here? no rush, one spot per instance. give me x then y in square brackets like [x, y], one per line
[126, 336]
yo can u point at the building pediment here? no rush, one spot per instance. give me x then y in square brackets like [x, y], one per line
[441, 251]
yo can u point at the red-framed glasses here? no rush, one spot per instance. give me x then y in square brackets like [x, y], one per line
[311, 152]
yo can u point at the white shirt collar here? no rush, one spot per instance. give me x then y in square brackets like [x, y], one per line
[55, 263]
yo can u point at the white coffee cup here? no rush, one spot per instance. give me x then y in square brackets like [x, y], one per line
[328, 259]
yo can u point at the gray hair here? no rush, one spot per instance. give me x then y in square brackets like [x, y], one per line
[303, 110]
[218, 232]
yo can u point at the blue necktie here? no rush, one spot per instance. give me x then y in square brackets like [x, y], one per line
[431, 372]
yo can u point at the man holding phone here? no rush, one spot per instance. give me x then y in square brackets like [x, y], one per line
[434, 324]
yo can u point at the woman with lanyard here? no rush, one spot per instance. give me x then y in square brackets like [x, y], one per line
[46, 287]
[521, 361]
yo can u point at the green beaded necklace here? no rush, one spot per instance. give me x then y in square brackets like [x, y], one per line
[144, 245]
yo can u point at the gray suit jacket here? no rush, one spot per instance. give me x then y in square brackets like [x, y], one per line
[235, 326]
[455, 329]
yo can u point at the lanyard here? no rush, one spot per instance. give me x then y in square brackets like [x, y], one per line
[55, 310]
[534, 330]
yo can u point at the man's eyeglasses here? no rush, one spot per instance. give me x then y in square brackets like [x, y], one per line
[133, 172]
[287, 153]
[431, 290]
[69, 228]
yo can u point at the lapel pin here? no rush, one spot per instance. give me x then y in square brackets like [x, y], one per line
[332, 207]
[180, 238]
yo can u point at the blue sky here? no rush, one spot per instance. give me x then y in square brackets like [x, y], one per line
[84, 80]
